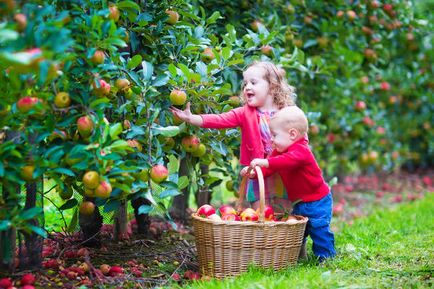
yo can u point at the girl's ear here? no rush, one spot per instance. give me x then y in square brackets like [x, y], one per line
[293, 133]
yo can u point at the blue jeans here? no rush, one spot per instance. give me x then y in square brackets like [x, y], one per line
[318, 227]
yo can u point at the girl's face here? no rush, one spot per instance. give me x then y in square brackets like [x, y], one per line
[256, 88]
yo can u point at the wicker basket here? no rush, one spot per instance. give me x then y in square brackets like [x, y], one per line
[227, 248]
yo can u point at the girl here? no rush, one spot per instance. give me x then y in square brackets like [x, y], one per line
[264, 92]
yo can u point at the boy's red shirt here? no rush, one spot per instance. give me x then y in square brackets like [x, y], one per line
[247, 119]
[299, 171]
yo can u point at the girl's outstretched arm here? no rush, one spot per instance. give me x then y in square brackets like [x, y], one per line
[187, 116]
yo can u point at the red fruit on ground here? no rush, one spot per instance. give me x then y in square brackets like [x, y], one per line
[176, 277]
[116, 270]
[427, 181]
[28, 279]
[5, 283]
[28, 287]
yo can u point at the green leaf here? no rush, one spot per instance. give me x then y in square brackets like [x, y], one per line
[144, 209]
[213, 18]
[119, 145]
[2, 169]
[148, 70]
[173, 165]
[160, 80]
[185, 70]
[112, 205]
[183, 182]
[69, 204]
[128, 4]
[64, 171]
[169, 193]
[38, 230]
[134, 61]
[5, 224]
[7, 35]
[115, 130]
[99, 101]
[227, 53]
[168, 131]
[172, 69]
[30, 213]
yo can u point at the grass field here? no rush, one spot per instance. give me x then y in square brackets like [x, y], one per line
[391, 248]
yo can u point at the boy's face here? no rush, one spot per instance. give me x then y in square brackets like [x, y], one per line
[256, 88]
[282, 138]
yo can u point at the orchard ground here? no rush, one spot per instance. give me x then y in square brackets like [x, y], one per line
[392, 247]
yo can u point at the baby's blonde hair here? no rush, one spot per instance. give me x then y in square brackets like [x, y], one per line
[290, 117]
[283, 94]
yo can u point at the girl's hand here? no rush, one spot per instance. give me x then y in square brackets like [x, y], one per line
[245, 172]
[263, 163]
[186, 115]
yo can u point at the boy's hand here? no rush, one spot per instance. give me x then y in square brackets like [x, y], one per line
[245, 172]
[263, 163]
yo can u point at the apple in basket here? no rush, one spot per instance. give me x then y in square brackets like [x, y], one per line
[268, 213]
[291, 220]
[231, 217]
[205, 210]
[227, 210]
[249, 215]
[214, 217]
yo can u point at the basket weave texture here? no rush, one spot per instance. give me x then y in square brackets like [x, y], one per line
[227, 248]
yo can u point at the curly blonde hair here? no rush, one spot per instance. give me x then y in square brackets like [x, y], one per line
[283, 94]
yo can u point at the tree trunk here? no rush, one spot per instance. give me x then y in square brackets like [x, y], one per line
[141, 219]
[120, 231]
[8, 241]
[203, 195]
[32, 256]
[90, 226]
[178, 211]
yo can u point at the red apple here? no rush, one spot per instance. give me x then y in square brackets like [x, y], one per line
[360, 106]
[87, 208]
[28, 279]
[159, 173]
[173, 17]
[190, 143]
[207, 55]
[27, 103]
[114, 13]
[103, 89]
[267, 50]
[98, 57]
[226, 210]
[85, 126]
[214, 217]
[116, 270]
[351, 15]
[205, 210]
[249, 215]
[340, 14]
[231, 217]
[268, 213]
[255, 25]
[21, 20]
[384, 86]
[177, 97]
[103, 190]
[5, 282]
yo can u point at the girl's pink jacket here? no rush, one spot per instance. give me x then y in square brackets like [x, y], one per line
[248, 120]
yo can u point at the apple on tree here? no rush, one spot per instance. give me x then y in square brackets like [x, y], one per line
[159, 173]
[190, 143]
[177, 97]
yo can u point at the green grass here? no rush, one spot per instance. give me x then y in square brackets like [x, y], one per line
[389, 249]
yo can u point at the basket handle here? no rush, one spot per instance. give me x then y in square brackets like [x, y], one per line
[243, 187]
